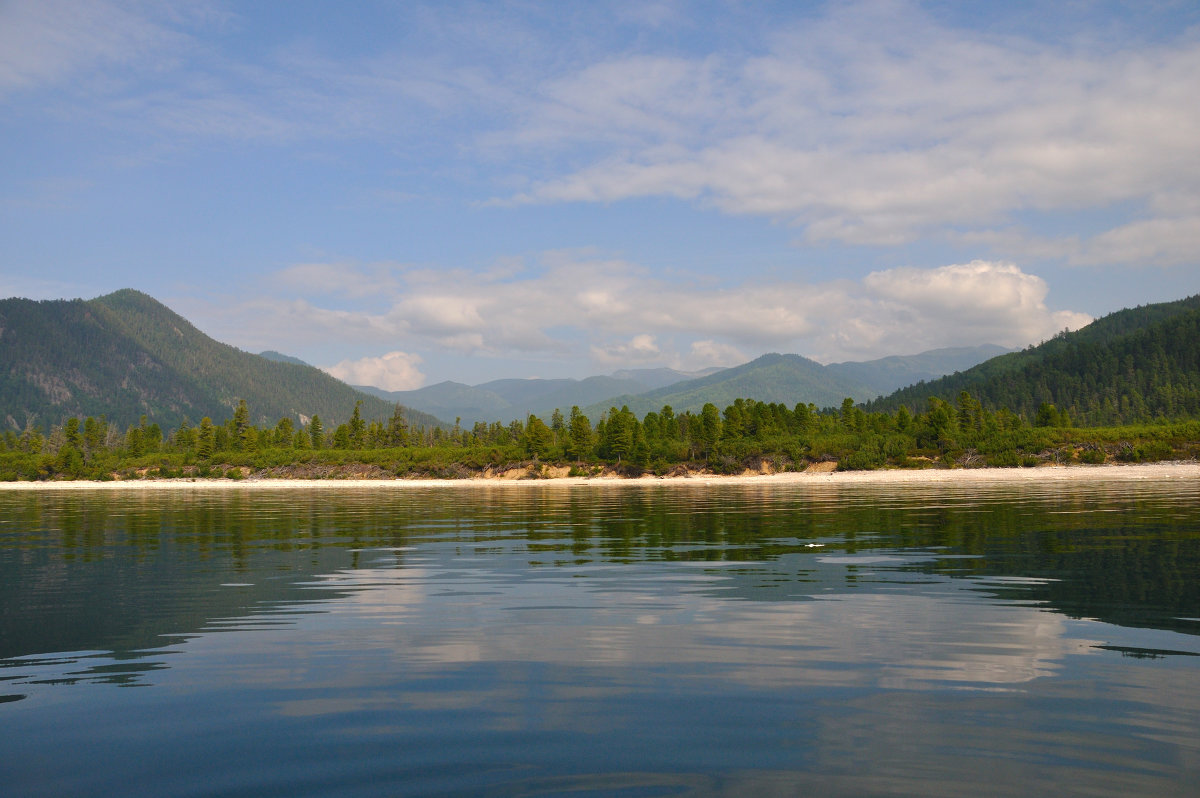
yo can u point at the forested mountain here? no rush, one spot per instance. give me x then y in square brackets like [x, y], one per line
[771, 378]
[280, 357]
[783, 378]
[791, 379]
[888, 374]
[125, 355]
[504, 400]
[1134, 365]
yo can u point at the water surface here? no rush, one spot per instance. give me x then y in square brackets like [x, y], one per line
[603, 639]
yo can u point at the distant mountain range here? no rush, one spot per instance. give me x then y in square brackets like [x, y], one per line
[125, 355]
[504, 400]
[1137, 364]
[791, 379]
[770, 378]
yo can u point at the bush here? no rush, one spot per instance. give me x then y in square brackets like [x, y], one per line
[1092, 456]
[868, 458]
[1004, 459]
[1153, 451]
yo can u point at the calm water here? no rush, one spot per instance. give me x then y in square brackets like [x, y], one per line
[602, 640]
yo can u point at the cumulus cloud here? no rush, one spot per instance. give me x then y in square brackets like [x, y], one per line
[394, 371]
[997, 302]
[572, 304]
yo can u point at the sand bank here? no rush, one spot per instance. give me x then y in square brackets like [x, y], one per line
[1173, 471]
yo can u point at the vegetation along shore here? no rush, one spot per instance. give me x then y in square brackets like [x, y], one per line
[748, 437]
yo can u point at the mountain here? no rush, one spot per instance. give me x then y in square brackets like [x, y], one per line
[506, 399]
[125, 355]
[279, 357]
[790, 379]
[782, 378]
[449, 400]
[1134, 365]
[662, 377]
[885, 375]
[771, 378]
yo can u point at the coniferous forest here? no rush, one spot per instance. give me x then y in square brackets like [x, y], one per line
[746, 435]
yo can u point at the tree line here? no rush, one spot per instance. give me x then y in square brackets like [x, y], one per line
[746, 434]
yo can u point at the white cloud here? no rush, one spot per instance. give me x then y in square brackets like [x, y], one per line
[871, 124]
[638, 349]
[996, 302]
[875, 125]
[574, 304]
[47, 41]
[395, 371]
[1162, 241]
[708, 353]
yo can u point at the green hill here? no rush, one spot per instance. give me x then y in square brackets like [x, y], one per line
[1134, 365]
[508, 399]
[887, 374]
[771, 378]
[125, 355]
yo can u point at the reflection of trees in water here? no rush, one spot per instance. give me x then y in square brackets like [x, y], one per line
[95, 570]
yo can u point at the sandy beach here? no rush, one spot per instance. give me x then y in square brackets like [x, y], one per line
[1170, 471]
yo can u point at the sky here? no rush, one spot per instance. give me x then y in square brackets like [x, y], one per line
[405, 193]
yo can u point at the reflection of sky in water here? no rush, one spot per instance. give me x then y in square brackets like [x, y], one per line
[940, 633]
[521, 656]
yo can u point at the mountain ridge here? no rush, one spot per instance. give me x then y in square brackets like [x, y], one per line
[124, 355]
[1135, 364]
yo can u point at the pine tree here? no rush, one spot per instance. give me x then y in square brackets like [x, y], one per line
[206, 439]
[357, 427]
[579, 434]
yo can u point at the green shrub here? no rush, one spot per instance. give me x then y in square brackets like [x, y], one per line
[1004, 459]
[1153, 451]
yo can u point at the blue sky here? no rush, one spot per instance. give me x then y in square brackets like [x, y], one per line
[410, 192]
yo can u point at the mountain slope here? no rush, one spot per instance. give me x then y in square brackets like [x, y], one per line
[1133, 365]
[888, 374]
[280, 357]
[125, 355]
[507, 399]
[771, 378]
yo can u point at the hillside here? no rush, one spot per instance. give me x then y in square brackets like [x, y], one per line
[125, 355]
[792, 379]
[771, 378]
[1134, 365]
[888, 374]
[280, 357]
[775, 378]
[508, 399]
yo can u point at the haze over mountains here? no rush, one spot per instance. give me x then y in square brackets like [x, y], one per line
[770, 378]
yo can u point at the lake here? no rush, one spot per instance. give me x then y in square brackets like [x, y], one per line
[617, 640]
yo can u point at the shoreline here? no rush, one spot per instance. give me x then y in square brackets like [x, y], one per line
[1165, 471]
